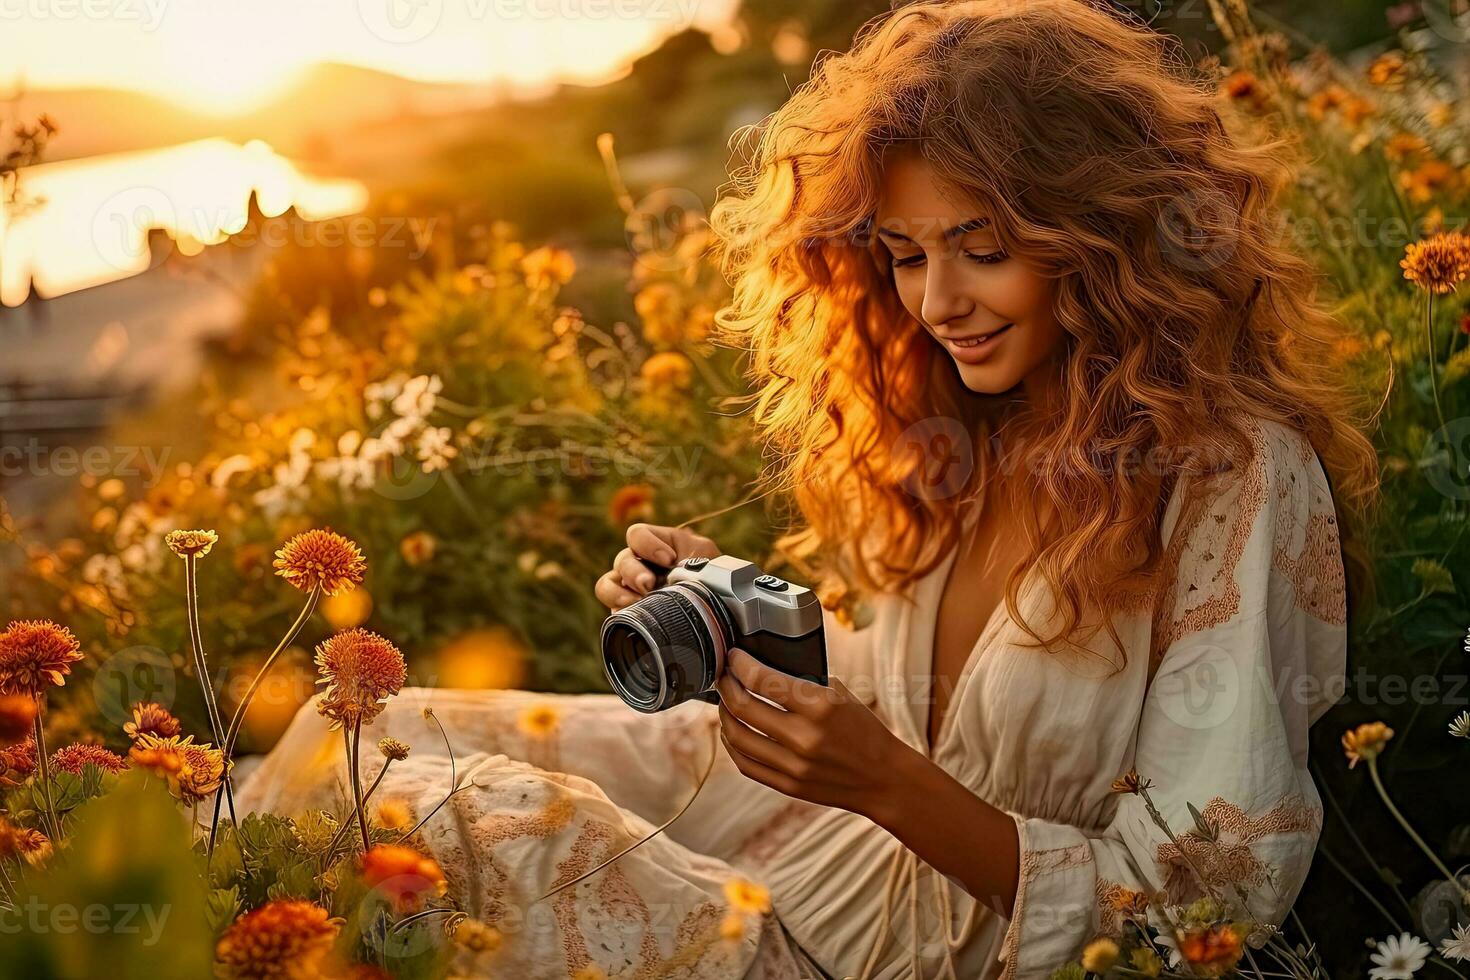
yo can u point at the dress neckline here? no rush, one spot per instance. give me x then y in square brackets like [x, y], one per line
[919, 639]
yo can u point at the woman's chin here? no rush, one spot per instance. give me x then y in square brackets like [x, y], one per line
[986, 379]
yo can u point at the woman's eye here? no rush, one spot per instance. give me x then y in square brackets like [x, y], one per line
[906, 261]
[988, 257]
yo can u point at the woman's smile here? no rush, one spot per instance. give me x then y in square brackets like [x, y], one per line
[976, 347]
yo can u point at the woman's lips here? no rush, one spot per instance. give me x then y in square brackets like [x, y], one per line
[972, 350]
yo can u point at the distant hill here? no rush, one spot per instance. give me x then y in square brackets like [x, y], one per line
[328, 100]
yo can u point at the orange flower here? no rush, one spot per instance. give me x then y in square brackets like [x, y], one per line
[151, 718]
[1129, 903]
[1243, 87]
[477, 937]
[1404, 146]
[1388, 70]
[188, 544]
[286, 938]
[539, 720]
[29, 845]
[36, 654]
[17, 717]
[630, 503]
[17, 762]
[74, 758]
[667, 371]
[1211, 951]
[402, 875]
[1130, 782]
[1365, 741]
[747, 896]
[418, 547]
[361, 670]
[1439, 263]
[1428, 179]
[321, 558]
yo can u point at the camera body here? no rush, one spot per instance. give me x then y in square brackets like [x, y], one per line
[670, 646]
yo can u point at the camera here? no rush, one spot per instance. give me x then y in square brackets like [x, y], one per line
[670, 646]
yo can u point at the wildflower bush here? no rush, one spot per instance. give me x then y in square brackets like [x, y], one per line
[489, 443]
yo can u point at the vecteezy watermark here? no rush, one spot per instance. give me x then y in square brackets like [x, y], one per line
[65, 919]
[31, 458]
[148, 14]
[131, 676]
[411, 21]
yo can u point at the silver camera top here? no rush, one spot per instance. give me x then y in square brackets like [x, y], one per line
[756, 601]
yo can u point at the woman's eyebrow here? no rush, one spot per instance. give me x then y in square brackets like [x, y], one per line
[974, 224]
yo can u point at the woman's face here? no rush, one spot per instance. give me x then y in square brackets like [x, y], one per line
[988, 310]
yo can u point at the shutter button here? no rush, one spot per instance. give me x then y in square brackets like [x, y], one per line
[695, 563]
[770, 583]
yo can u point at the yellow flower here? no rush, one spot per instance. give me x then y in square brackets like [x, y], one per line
[539, 720]
[287, 938]
[151, 718]
[1365, 741]
[667, 371]
[732, 927]
[361, 671]
[1100, 955]
[747, 896]
[187, 544]
[1428, 179]
[393, 749]
[395, 814]
[477, 937]
[192, 771]
[1439, 263]
[320, 558]
[547, 266]
[36, 654]
[1147, 962]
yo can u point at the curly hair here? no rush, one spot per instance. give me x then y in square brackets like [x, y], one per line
[1102, 158]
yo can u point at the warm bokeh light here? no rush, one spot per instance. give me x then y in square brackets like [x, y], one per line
[484, 658]
[347, 609]
[231, 58]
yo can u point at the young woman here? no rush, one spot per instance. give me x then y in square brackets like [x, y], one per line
[1051, 398]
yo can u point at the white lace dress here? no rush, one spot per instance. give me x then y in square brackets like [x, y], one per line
[1228, 667]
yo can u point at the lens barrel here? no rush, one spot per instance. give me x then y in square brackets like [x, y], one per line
[667, 647]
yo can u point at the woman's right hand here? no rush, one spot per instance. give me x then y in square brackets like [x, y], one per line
[630, 580]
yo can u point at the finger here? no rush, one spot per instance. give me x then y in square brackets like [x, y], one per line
[783, 726]
[634, 575]
[654, 543]
[759, 771]
[692, 545]
[760, 748]
[795, 694]
[611, 593]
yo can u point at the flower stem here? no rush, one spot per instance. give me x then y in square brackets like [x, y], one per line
[201, 670]
[53, 827]
[342, 830]
[1383, 793]
[354, 742]
[1429, 338]
[239, 716]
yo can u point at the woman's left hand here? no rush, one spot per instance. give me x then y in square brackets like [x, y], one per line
[822, 744]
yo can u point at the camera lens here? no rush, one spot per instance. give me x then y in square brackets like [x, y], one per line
[667, 647]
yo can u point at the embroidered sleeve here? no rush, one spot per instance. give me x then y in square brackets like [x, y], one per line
[1250, 645]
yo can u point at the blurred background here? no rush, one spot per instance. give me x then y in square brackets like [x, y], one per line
[431, 273]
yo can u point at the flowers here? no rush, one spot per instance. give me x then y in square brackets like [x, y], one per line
[361, 670]
[17, 717]
[320, 559]
[1212, 950]
[151, 718]
[1438, 263]
[538, 721]
[74, 758]
[192, 771]
[393, 749]
[1460, 727]
[1365, 742]
[547, 266]
[36, 654]
[17, 761]
[1457, 947]
[747, 896]
[666, 372]
[402, 875]
[31, 846]
[285, 938]
[1399, 957]
[1130, 782]
[418, 548]
[633, 502]
[1100, 955]
[190, 544]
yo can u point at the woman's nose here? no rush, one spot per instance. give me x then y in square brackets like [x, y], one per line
[944, 300]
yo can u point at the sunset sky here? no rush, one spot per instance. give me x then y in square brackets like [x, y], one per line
[228, 56]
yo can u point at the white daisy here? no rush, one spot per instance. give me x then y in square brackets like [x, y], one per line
[1460, 727]
[1399, 957]
[1457, 947]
